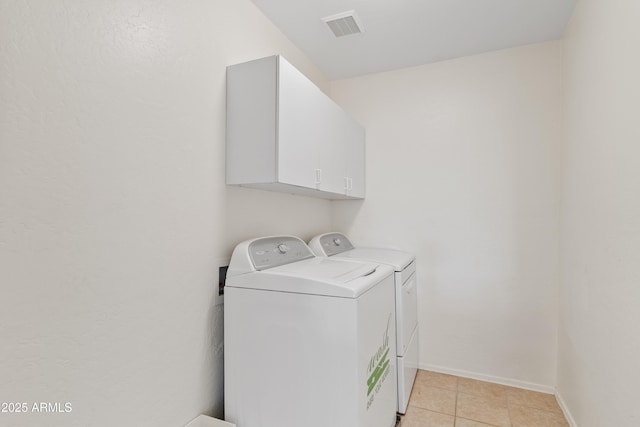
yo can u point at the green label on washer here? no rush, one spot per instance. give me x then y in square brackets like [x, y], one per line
[377, 373]
[378, 368]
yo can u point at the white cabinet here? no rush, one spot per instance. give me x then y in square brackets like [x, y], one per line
[284, 134]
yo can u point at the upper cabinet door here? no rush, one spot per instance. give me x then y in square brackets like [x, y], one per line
[310, 152]
[300, 132]
[332, 148]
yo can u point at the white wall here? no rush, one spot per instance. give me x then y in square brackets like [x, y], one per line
[113, 207]
[599, 342]
[462, 169]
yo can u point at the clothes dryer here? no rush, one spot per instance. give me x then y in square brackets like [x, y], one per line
[309, 341]
[338, 246]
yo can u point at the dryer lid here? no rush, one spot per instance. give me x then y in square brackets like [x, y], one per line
[338, 245]
[333, 271]
[399, 260]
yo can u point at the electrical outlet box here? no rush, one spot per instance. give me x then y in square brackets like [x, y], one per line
[222, 265]
[222, 278]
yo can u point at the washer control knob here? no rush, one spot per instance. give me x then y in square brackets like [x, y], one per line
[337, 241]
[283, 249]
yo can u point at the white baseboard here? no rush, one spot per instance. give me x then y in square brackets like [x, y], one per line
[565, 410]
[490, 378]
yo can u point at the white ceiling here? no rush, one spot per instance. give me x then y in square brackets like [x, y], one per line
[403, 33]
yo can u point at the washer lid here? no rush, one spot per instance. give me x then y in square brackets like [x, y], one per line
[334, 271]
[316, 276]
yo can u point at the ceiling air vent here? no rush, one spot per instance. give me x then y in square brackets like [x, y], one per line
[344, 24]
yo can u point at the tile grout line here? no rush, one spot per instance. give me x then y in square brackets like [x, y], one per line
[455, 405]
[508, 409]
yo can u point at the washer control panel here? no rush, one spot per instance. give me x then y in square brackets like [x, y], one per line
[271, 252]
[335, 243]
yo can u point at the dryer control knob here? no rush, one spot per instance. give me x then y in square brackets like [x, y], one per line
[337, 241]
[283, 249]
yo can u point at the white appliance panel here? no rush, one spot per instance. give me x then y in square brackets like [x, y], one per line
[407, 371]
[294, 365]
[377, 370]
[406, 272]
[407, 311]
[268, 378]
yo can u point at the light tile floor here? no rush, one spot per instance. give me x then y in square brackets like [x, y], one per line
[440, 400]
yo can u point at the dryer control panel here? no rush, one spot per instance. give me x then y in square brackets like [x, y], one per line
[335, 243]
[271, 252]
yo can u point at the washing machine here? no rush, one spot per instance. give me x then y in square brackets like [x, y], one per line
[338, 246]
[308, 341]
